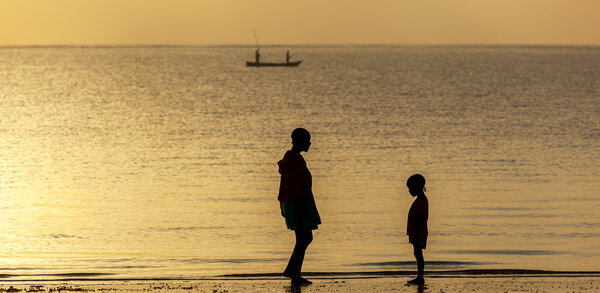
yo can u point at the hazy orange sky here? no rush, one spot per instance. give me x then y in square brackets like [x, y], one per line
[203, 22]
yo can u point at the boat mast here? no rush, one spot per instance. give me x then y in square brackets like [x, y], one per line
[255, 39]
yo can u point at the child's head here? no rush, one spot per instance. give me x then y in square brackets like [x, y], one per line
[416, 184]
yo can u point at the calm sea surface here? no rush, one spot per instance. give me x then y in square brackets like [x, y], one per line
[161, 161]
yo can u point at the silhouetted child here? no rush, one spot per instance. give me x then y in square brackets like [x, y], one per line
[416, 228]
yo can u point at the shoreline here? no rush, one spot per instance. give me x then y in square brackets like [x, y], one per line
[450, 274]
[468, 272]
[472, 283]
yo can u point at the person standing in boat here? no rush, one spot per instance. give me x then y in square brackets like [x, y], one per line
[297, 202]
[257, 56]
[287, 56]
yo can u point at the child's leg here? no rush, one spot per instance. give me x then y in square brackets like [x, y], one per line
[418, 251]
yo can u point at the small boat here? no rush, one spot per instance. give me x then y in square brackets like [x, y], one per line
[257, 62]
[261, 64]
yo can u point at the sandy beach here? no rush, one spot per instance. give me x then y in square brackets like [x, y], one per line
[359, 283]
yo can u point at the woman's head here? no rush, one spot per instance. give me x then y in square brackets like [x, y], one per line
[301, 139]
[416, 184]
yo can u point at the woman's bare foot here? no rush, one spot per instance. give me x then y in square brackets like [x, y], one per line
[416, 281]
[300, 281]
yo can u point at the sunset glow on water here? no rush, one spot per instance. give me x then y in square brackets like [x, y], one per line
[161, 161]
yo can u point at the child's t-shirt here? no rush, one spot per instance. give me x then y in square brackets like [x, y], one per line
[416, 228]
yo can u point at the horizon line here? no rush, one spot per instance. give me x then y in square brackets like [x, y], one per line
[302, 45]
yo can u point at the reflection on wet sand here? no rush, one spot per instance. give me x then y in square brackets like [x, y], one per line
[513, 283]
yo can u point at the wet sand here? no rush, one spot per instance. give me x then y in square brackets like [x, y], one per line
[359, 283]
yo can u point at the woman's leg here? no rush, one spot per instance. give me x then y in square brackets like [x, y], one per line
[303, 239]
[288, 270]
[294, 267]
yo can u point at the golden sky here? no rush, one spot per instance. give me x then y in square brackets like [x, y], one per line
[203, 22]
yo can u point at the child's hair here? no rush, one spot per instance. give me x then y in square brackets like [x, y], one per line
[416, 181]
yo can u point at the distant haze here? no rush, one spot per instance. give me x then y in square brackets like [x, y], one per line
[187, 22]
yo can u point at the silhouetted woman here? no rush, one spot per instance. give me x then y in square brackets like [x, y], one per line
[297, 202]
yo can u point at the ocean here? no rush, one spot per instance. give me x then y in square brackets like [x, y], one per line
[160, 162]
